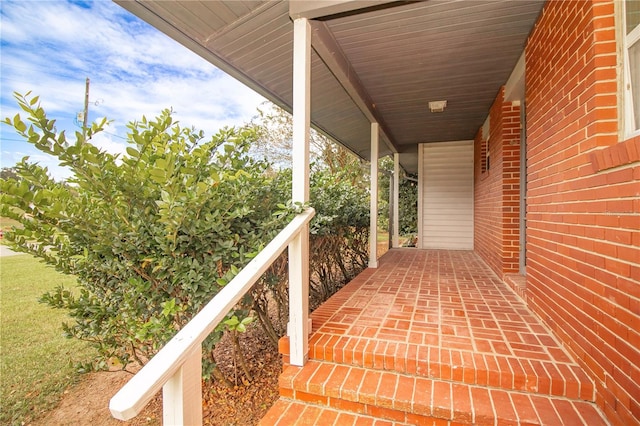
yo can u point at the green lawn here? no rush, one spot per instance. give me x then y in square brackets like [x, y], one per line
[36, 361]
[382, 236]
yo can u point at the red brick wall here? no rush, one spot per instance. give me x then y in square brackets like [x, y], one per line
[488, 200]
[510, 187]
[583, 201]
[497, 190]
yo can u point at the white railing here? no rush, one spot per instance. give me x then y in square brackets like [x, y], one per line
[177, 367]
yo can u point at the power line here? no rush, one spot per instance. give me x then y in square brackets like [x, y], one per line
[11, 140]
[113, 134]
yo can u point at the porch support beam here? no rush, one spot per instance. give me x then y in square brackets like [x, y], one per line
[318, 9]
[373, 207]
[514, 87]
[327, 48]
[299, 247]
[395, 238]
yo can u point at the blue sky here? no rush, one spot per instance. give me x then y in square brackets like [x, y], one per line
[51, 47]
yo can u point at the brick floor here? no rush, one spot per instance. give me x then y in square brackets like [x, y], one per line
[432, 337]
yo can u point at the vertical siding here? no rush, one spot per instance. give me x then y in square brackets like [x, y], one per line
[583, 200]
[447, 195]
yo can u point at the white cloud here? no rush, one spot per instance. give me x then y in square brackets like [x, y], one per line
[50, 47]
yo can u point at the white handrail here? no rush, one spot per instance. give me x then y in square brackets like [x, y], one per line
[169, 361]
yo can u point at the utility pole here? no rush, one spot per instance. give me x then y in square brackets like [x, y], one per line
[86, 109]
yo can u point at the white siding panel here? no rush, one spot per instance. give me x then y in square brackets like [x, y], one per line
[447, 195]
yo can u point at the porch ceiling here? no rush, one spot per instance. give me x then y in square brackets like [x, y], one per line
[394, 57]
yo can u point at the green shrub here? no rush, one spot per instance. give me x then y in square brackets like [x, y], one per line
[151, 235]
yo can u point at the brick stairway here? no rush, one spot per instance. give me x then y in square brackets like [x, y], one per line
[432, 337]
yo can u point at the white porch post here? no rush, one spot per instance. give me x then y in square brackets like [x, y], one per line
[395, 238]
[299, 247]
[182, 394]
[373, 207]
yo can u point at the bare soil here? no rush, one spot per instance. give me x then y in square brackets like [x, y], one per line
[87, 403]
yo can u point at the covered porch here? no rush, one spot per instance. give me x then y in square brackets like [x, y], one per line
[432, 337]
[436, 336]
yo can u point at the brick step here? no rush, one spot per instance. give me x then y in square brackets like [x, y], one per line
[286, 412]
[410, 399]
[564, 379]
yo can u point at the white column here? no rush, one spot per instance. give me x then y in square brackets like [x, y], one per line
[299, 247]
[373, 207]
[182, 393]
[395, 238]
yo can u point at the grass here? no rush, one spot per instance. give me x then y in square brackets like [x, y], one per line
[36, 360]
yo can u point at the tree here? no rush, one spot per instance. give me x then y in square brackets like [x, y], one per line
[275, 134]
[408, 199]
[8, 173]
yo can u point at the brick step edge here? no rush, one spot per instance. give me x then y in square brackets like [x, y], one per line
[393, 396]
[286, 412]
[535, 376]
